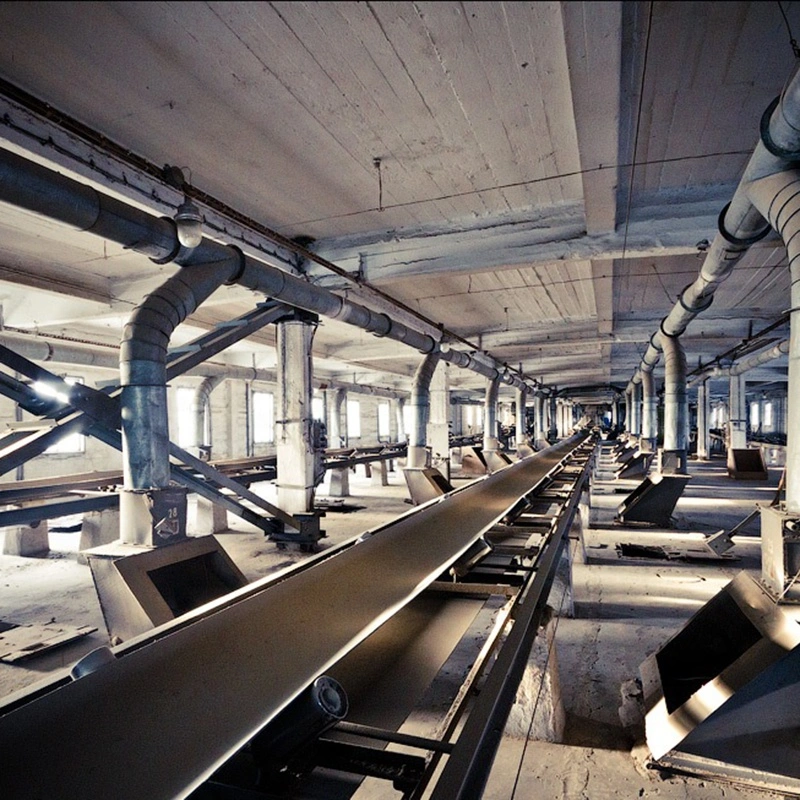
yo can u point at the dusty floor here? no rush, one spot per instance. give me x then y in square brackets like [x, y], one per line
[623, 611]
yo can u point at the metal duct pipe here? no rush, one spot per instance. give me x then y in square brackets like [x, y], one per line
[636, 406]
[745, 365]
[43, 191]
[778, 198]
[676, 409]
[200, 402]
[490, 416]
[649, 413]
[421, 407]
[142, 369]
[741, 223]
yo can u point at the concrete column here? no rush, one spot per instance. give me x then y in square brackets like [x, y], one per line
[614, 413]
[421, 406]
[209, 518]
[438, 431]
[97, 529]
[398, 404]
[294, 442]
[737, 422]
[27, 540]
[521, 434]
[337, 432]
[703, 439]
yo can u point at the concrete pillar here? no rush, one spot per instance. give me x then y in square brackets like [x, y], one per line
[336, 431]
[552, 422]
[209, 518]
[27, 540]
[438, 431]
[99, 528]
[398, 404]
[521, 432]
[293, 437]
[737, 423]
[703, 438]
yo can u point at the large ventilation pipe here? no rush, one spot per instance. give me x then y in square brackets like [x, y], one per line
[778, 198]
[676, 417]
[649, 413]
[490, 442]
[420, 408]
[200, 401]
[767, 191]
[41, 190]
[142, 367]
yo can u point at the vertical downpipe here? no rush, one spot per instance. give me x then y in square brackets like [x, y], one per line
[649, 414]
[490, 442]
[421, 406]
[675, 406]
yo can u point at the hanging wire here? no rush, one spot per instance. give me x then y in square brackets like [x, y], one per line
[792, 41]
[377, 164]
[636, 134]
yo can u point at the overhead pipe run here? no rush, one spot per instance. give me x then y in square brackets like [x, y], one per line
[745, 365]
[649, 413]
[767, 191]
[43, 191]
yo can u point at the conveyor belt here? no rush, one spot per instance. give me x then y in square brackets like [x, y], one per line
[179, 701]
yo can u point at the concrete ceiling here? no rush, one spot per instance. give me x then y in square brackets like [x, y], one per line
[547, 170]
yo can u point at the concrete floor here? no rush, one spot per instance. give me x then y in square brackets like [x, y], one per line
[623, 611]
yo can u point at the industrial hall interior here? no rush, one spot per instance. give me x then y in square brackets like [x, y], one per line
[399, 400]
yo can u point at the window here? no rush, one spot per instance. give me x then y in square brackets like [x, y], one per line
[768, 414]
[263, 417]
[755, 409]
[353, 419]
[184, 399]
[75, 442]
[318, 409]
[474, 417]
[384, 430]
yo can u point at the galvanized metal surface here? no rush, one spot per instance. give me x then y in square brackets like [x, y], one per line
[177, 703]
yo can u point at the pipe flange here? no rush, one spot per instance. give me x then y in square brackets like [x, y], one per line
[176, 248]
[766, 136]
[729, 237]
[692, 309]
[242, 263]
[668, 335]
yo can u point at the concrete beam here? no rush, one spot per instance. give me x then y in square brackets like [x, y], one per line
[593, 41]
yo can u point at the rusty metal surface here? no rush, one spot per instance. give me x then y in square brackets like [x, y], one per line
[179, 701]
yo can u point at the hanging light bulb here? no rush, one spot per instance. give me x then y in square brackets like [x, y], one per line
[189, 223]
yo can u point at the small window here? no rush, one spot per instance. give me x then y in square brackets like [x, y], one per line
[184, 399]
[318, 408]
[263, 417]
[75, 442]
[384, 430]
[768, 414]
[353, 419]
